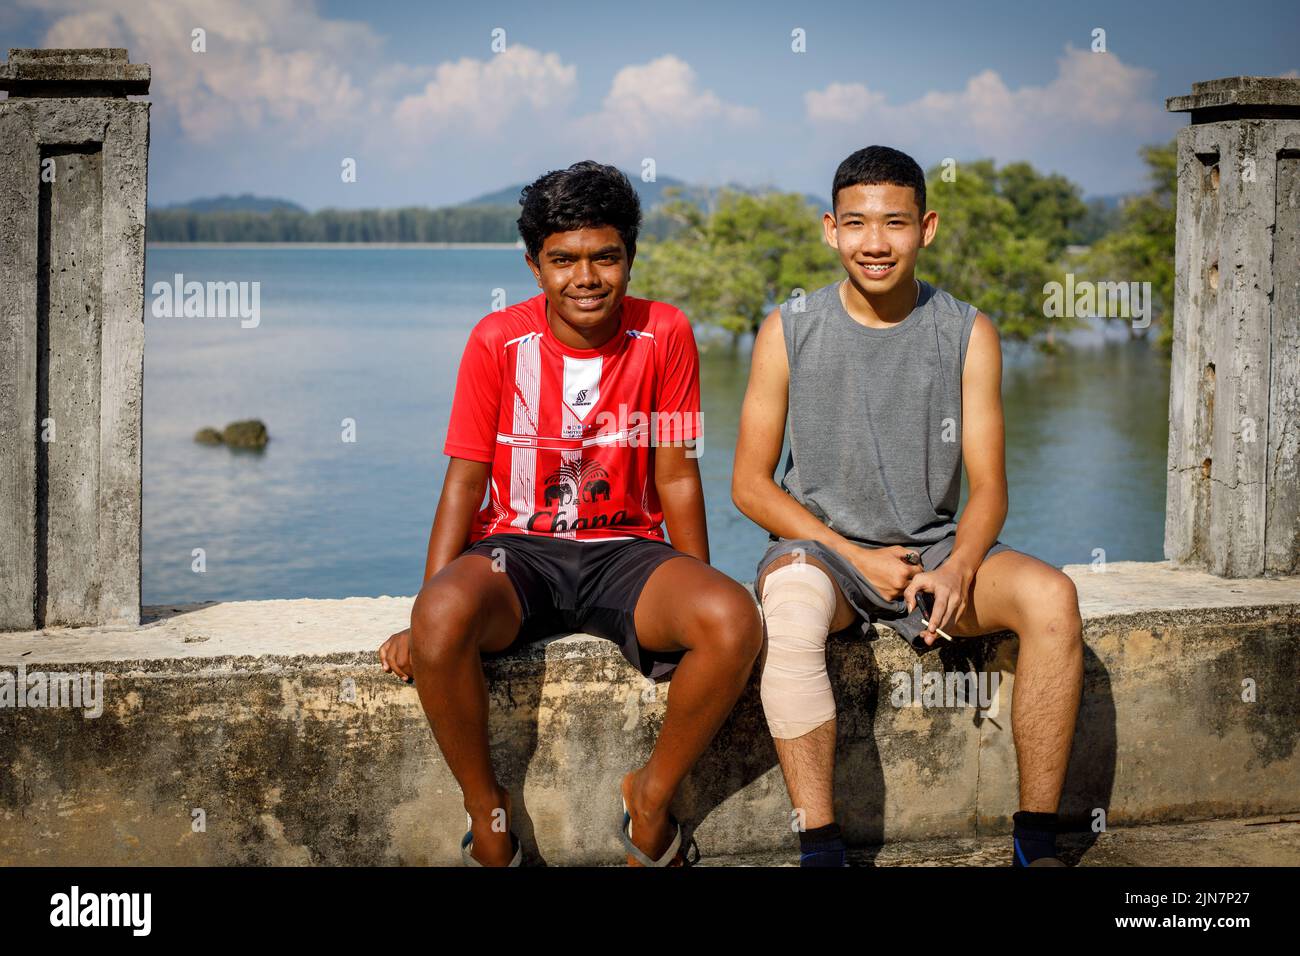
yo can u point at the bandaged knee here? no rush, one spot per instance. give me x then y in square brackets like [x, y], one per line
[798, 604]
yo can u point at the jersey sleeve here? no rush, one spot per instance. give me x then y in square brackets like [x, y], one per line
[472, 429]
[678, 405]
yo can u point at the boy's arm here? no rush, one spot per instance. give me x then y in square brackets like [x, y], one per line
[983, 443]
[677, 481]
[470, 444]
[758, 451]
[982, 449]
[462, 494]
[676, 419]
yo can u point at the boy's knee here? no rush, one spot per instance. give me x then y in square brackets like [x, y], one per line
[442, 622]
[803, 588]
[730, 617]
[798, 604]
[1063, 597]
[1053, 608]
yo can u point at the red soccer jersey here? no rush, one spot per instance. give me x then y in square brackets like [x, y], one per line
[568, 431]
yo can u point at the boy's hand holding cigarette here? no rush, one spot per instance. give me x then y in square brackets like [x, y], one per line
[949, 585]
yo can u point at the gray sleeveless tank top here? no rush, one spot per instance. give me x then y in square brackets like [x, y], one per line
[875, 417]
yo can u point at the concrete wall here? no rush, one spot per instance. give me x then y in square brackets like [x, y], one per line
[1233, 492]
[73, 178]
[274, 719]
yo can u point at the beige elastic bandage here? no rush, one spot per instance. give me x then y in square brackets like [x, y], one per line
[798, 604]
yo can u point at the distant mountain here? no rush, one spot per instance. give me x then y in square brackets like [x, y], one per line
[488, 218]
[651, 194]
[243, 203]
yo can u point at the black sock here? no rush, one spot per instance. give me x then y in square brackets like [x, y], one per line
[1033, 835]
[823, 846]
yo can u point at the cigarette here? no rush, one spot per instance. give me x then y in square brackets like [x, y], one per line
[938, 630]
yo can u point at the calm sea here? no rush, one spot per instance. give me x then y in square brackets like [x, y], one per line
[373, 336]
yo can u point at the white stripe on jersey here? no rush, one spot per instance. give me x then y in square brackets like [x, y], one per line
[578, 396]
[552, 443]
[523, 461]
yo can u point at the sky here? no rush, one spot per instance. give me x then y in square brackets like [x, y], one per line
[437, 102]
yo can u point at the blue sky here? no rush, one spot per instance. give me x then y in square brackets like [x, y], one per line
[712, 93]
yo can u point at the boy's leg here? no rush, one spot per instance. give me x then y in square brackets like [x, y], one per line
[719, 629]
[808, 760]
[463, 610]
[1017, 592]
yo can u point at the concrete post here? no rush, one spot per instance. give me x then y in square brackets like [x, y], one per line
[73, 159]
[1233, 493]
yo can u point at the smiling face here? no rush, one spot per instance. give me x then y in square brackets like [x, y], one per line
[878, 231]
[584, 274]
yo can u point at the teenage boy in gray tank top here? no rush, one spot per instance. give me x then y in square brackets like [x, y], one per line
[891, 386]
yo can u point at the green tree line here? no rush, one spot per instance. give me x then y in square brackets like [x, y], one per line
[409, 224]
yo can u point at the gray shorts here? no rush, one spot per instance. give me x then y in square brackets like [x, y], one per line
[859, 592]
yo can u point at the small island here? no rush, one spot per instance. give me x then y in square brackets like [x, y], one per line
[250, 433]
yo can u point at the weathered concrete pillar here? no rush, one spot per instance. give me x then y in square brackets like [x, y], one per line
[73, 159]
[1233, 493]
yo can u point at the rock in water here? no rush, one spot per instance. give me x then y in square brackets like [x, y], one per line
[246, 434]
[207, 436]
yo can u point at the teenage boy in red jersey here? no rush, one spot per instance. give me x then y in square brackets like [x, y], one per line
[579, 410]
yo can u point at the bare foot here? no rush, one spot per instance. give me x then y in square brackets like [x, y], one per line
[492, 845]
[650, 829]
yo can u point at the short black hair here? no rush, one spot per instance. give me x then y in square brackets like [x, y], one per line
[875, 165]
[586, 195]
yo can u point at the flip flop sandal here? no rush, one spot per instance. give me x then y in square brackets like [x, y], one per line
[671, 855]
[467, 845]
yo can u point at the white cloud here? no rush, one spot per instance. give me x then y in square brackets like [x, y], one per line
[267, 61]
[1091, 92]
[659, 98]
[841, 103]
[483, 96]
[283, 84]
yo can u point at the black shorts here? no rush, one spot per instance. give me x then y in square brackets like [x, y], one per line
[589, 587]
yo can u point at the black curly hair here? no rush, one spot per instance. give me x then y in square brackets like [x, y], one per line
[875, 165]
[585, 195]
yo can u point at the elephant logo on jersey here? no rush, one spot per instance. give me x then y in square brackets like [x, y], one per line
[562, 497]
[562, 484]
[560, 491]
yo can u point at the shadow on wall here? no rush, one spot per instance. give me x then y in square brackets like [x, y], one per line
[743, 753]
[1090, 778]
